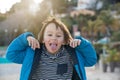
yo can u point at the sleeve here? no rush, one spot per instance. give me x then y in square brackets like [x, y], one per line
[87, 52]
[16, 51]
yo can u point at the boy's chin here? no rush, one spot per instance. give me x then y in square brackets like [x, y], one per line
[53, 52]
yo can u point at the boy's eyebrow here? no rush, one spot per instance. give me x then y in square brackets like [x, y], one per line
[58, 32]
[49, 31]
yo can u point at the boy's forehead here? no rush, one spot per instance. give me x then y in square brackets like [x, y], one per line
[52, 26]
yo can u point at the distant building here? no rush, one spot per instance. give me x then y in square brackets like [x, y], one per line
[82, 11]
[84, 4]
[83, 8]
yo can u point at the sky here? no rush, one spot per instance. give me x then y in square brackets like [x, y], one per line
[5, 5]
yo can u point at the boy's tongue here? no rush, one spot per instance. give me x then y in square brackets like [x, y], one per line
[53, 46]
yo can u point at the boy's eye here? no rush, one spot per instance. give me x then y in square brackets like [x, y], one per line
[58, 35]
[49, 34]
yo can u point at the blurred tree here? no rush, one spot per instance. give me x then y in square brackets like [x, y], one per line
[91, 30]
[2, 17]
[115, 36]
[19, 31]
[68, 21]
[40, 16]
[59, 6]
[107, 20]
[72, 3]
[2, 38]
[62, 6]
[23, 5]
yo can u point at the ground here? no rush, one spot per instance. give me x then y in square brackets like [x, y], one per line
[11, 71]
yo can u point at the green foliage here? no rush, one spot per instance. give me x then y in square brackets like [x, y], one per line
[62, 6]
[115, 36]
[114, 55]
[1, 38]
[115, 7]
[72, 3]
[68, 21]
[106, 17]
[59, 6]
[2, 17]
[98, 48]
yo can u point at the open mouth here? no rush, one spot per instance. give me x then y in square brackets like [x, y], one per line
[53, 46]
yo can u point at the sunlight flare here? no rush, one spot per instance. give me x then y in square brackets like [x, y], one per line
[5, 5]
[37, 1]
[34, 7]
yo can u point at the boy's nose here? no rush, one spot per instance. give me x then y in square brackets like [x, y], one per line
[54, 38]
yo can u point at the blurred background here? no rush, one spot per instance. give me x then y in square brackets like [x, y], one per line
[96, 20]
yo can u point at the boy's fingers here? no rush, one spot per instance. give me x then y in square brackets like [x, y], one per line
[33, 43]
[29, 43]
[74, 43]
[79, 41]
[38, 45]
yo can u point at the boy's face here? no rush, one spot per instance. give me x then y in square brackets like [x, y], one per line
[53, 38]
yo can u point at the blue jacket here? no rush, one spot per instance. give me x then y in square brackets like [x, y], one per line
[20, 52]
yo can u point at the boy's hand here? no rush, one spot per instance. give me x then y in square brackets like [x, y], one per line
[33, 42]
[75, 42]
